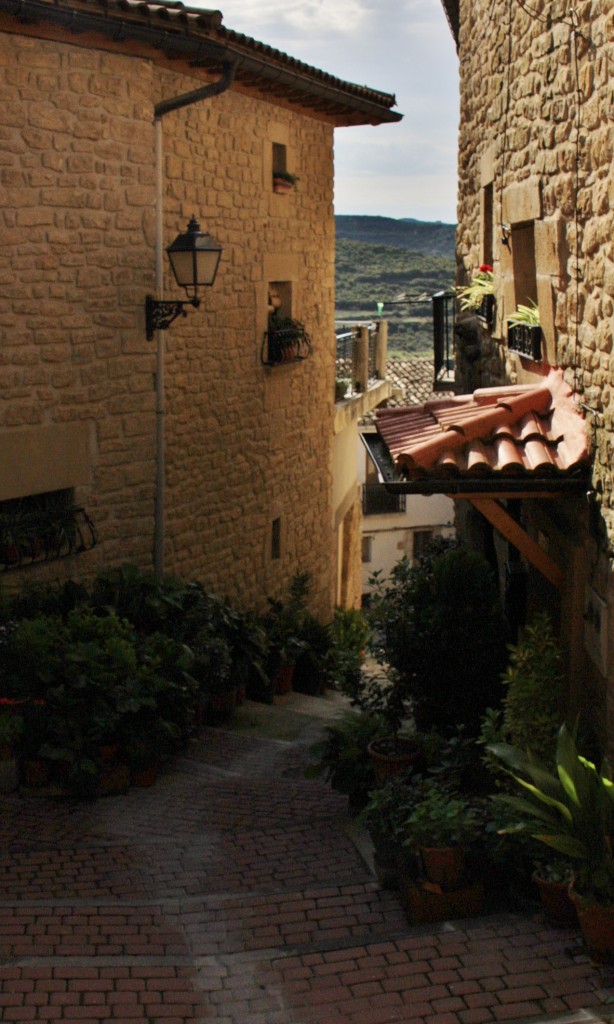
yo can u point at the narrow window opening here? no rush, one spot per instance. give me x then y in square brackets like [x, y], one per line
[367, 549]
[523, 256]
[420, 541]
[280, 158]
[276, 539]
[280, 300]
[487, 224]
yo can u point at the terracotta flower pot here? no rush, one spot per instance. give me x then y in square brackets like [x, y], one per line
[282, 683]
[596, 924]
[443, 866]
[388, 762]
[35, 772]
[143, 778]
[556, 902]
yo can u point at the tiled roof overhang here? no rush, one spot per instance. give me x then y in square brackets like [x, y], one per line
[197, 39]
[451, 9]
[504, 441]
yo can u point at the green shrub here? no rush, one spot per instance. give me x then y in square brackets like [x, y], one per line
[532, 705]
[439, 624]
[343, 759]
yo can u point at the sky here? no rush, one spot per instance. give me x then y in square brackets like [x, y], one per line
[403, 47]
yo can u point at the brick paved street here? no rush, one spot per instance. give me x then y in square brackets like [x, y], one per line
[233, 892]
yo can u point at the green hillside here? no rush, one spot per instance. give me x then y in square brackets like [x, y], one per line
[435, 239]
[415, 261]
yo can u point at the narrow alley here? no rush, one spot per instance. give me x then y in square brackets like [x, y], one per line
[234, 891]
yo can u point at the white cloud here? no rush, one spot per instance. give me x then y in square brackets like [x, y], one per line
[398, 46]
[314, 17]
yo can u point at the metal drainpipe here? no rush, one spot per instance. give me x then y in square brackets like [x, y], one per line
[160, 110]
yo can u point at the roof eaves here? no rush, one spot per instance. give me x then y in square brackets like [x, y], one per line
[452, 13]
[198, 37]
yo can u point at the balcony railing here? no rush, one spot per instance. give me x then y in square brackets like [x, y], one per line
[377, 501]
[443, 339]
[43, 535]
[362, 348]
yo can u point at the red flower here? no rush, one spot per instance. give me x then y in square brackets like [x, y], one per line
[485, 269]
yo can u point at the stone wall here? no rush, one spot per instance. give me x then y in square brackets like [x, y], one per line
[536, 149]
[245, 444]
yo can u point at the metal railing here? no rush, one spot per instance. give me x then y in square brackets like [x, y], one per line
[43, 536]
[443, 339]
[361, 355]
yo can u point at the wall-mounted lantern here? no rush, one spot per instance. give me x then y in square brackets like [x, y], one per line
[194, 258]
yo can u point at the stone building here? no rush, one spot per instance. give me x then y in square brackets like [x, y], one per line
[119, 123]
[530, 443]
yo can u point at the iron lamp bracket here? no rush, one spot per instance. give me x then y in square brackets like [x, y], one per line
[160, 314]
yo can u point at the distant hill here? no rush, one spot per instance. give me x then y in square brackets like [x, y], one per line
[434, 239]
[401, 263]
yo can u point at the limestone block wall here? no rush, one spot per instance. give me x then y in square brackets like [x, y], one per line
[247, 446]
[536, 200]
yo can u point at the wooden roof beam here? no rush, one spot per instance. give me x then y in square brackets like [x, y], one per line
[507, 526]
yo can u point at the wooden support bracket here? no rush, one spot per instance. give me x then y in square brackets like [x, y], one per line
[513, 531]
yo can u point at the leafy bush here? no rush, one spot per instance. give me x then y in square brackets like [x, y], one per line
[441, 817]
[570, 810]
[440, 626]
[343, 759]
[532, 705]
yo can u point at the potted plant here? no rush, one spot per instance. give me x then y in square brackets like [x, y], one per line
[572, 812]
[440, 828]
[283, 626]
[533, 682]
[341, 388]
[553, 878]
[342, 756]
[383, 816]
[478, 296]
[524, 333]
[287, 339]
[399, 747]
[439, 625]
[284, 182]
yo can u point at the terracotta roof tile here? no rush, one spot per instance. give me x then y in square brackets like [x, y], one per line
[535, 430]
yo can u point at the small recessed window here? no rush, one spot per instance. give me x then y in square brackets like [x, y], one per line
[367, 549]
[280, 159]
[487, 224]
[420, 542]
[276, 539]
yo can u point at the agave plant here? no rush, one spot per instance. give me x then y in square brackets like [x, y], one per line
[571, 811]
[527, 315]
[481, 285]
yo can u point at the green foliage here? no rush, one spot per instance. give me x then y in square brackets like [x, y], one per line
[283, 624]
[381, 271]
[572, 811]
[11, 727]
[387, 810]
[472, 295]
[440, 627]
[441, 818]
[342, 756]
[350, 637]
[435, 239]
[533, 699]
[149, 603]
[525, 315]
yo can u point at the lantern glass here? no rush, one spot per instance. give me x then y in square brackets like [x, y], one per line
[194, 258]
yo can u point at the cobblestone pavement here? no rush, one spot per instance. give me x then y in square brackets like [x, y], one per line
[233, 892]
